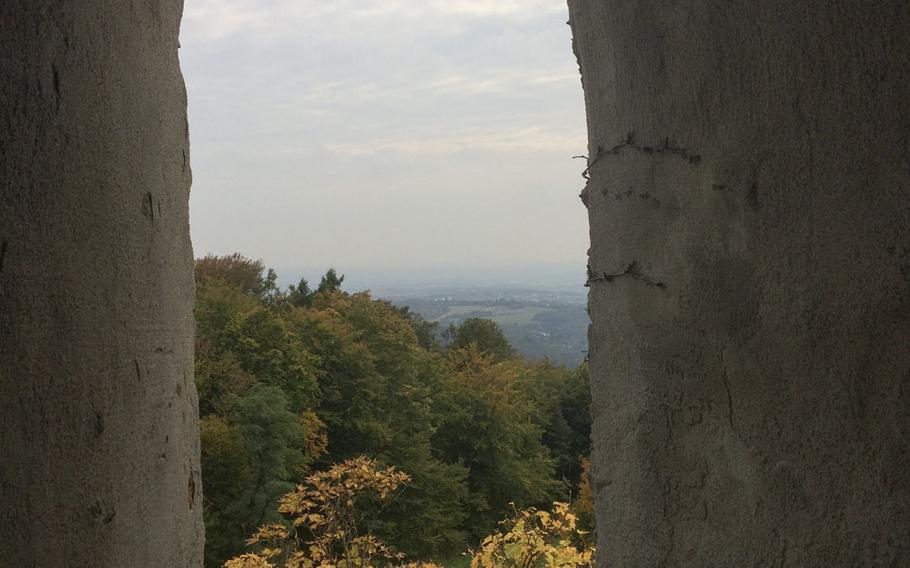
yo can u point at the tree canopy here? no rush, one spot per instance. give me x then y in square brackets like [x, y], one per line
[485, 334]
[294, 381]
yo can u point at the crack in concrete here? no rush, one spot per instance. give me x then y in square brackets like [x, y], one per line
[726, 380]
[56, 74]
[633, 270]
[666, 510]
[664, 147]
[629, 142]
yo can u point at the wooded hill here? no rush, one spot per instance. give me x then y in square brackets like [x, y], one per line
[293, 381]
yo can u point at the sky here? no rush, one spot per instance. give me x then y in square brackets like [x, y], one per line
[397, 139]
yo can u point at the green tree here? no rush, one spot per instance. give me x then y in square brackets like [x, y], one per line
[562, 400]
[488, 426]
[330, 282]
[486, 335]
[257, 383]
[251, 456]
[247, 275]
[575, 404]
[251, 334]
[226, 471]
[265, 345]
[218, 303]
[218, 375]
[423, 329]
[377, 390]
[300, 295]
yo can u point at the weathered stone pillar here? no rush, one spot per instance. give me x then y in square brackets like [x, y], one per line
[99, 457]
[749, 201]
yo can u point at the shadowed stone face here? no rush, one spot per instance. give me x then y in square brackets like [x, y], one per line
[749, 204]
[98, 418]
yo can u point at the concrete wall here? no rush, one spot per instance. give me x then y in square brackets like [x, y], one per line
[749, 202]
[99, 457]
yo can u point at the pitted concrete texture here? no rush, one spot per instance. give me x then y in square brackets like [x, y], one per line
[749, 204]
[99, 456]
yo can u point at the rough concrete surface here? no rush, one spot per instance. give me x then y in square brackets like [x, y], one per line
[99, 457]
[749, 202]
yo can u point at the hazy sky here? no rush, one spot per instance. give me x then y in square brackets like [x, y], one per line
[398, 133]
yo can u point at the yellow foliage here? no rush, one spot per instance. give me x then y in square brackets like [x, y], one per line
[248, 561]
[584, 504]
[317, 439]
[323, 529]
[268, 533]
[323, 519]
[536, 539]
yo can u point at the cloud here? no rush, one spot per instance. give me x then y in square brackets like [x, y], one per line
[379, 114]
[502, 82]
[495, 8]
[450, 84]
[532, 139]
[215, 20]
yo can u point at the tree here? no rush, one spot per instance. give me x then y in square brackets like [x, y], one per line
[253, 455]
[258, 385]
[562, 401]
[265, 345]
[486, 335]
[536, 539]
[247, 275]
[300, 296]
[256, 336]
[326, 517]
[98, 428]
[488, 426]
[228, 472]
[331, 282]
[750, 220]
[425, 330]
[377, 396]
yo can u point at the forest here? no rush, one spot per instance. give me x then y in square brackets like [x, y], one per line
[337, 430]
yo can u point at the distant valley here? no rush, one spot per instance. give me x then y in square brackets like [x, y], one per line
[540, 324]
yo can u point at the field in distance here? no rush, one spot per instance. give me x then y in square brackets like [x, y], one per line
[539, 324]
